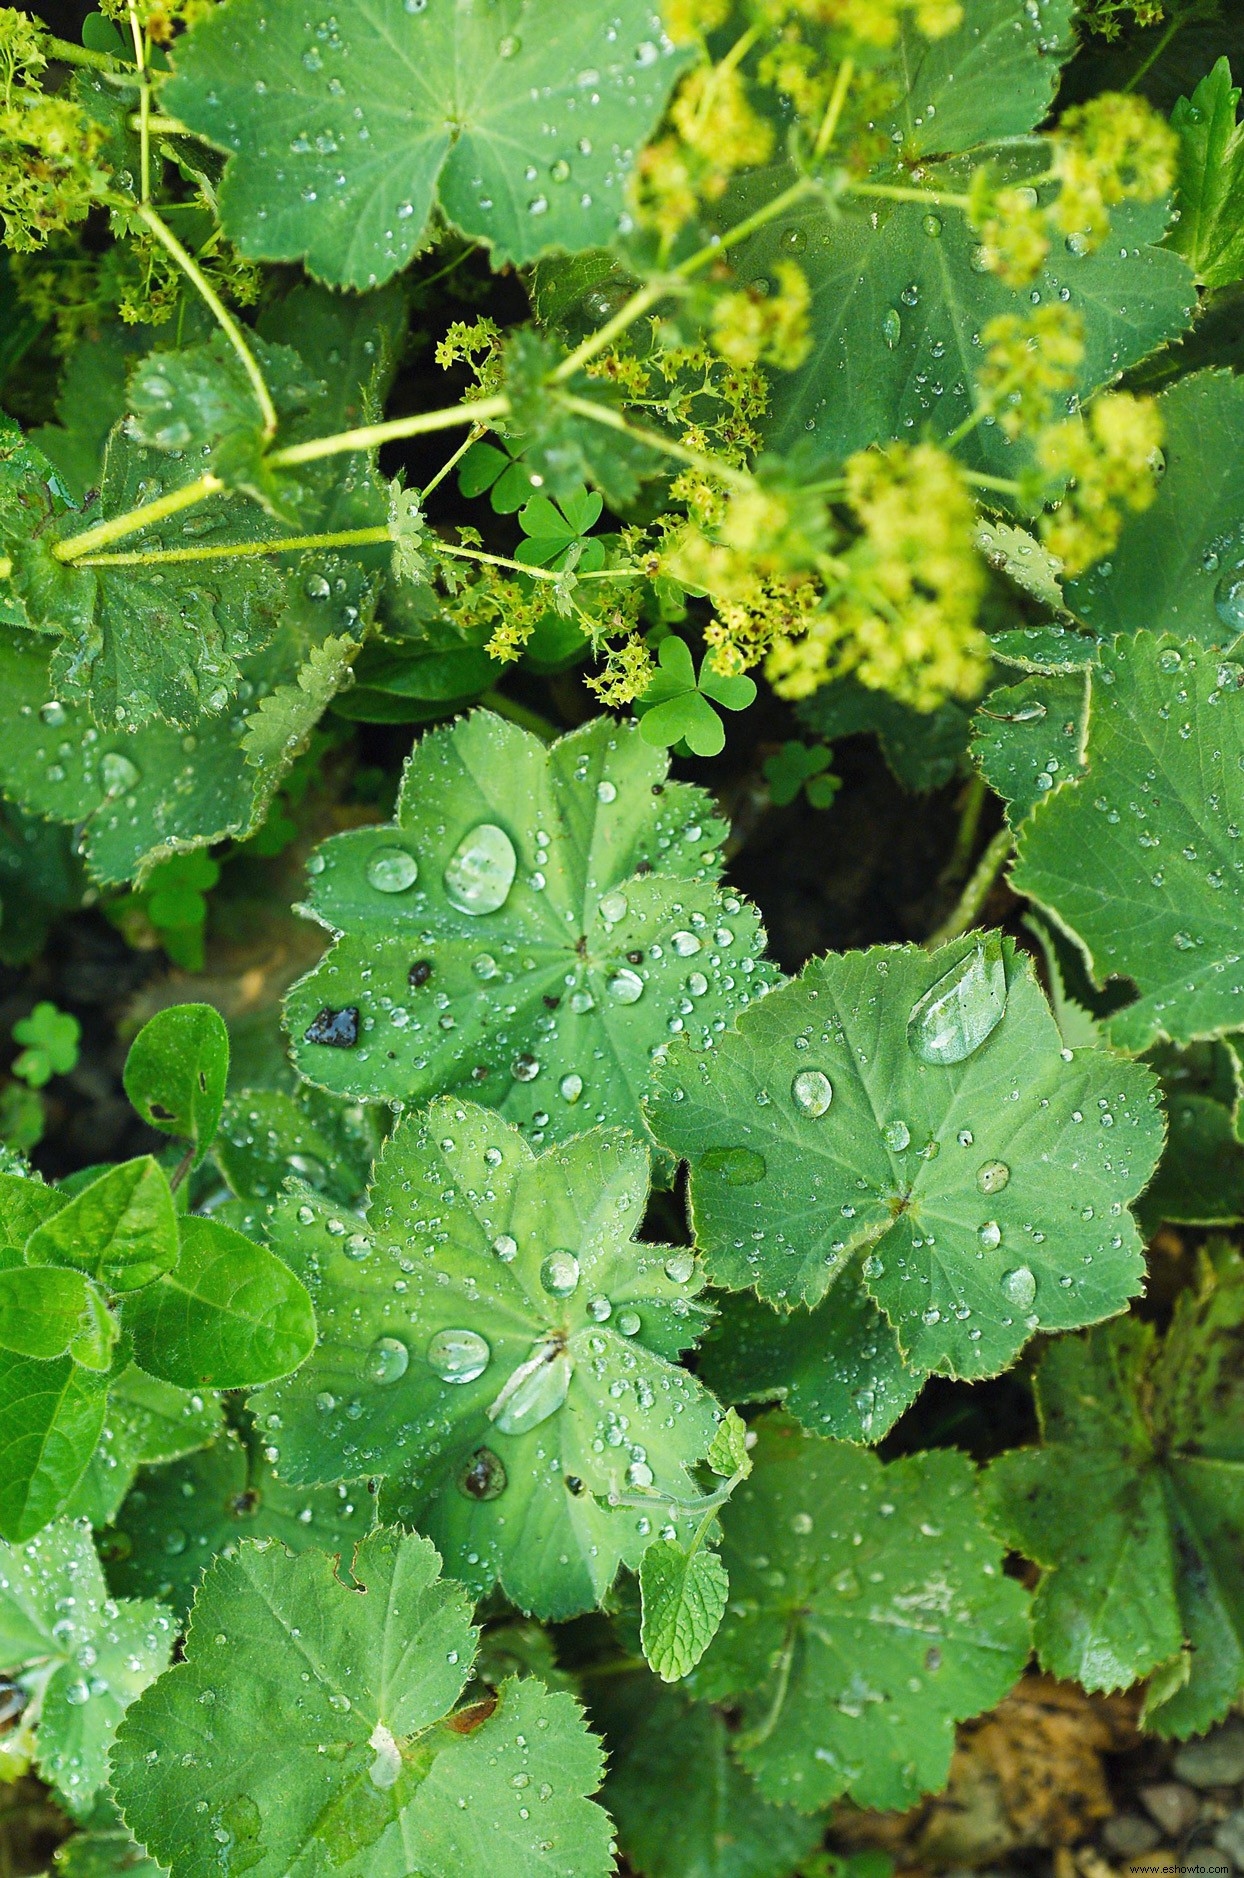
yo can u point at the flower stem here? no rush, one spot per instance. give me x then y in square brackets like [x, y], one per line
[239, 550]
[724, 473]
[370, 436]
[897, 192]
[833, 112]
[144, 103]
[75, 546]
[66, 53]
[976, 892]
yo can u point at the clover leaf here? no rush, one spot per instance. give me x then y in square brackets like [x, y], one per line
[1133, 1506]
[911, 1121]
[801, 766]
[869, 1613]
[496, 1346]
[1210, 230]
[344, 140]
[677, 707]
[49, 1040]
[1139, 857]
[335, 1739]
[554, 530]
[77, 1657]
[498, 471]
[532, 928]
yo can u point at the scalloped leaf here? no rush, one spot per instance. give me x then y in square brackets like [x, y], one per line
[911, 1121]
[497, 1346]
[532, 929]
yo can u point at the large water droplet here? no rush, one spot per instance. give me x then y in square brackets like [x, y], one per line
[990, 1234]
[1019, 1287]
[457, 1355]
[891, 326]
[535, 1391]
[484, 1476]
[626, 987]
[965, 1006]
[119, 775]
[685, 944]
[392, 870]
[1229, 599]
[812, 1092]
[738, 1167]
[680, 1268]
[559, 1274]
[993, 1176]
[387, 1360]
[897, 1136]
[480, 872]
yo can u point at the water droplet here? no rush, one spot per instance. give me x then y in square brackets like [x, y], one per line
[505, 1248]
[639, 1474]
[1019, 1287]
[118, 774]
[606, 791]
[897, 1136]
[480, 872]
[1229, 599]
[457, 1355]
[392, 870]
[387, 1361]
[613, 907]
[891, 326]
[738, 1167]
[570, 1088]
[964, 1007]
[812, 1092]
[535, 1391]
[990, 1234]
[685, 944]
[680, 1269]
[484, 1476]
[629, 1323]
[933, 226]
[626, 987]
[559, 1274]
[992, 1176]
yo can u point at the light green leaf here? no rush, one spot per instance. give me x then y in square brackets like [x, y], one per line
[1146, 1434]
[672, 1823]
[147, 1421]
[1179, 565]
[122, 1229]
[532, 929]
[909, 1119]
[519, 1391]
[684, 1596]
[25, 1202]
[104, 1850]
[177, 1519]
[51, 1414]
[228, 1316]
[728, 1453]
[1138, 858]
[297, 1662]
[1210, 229]
[176, 1072]
[80, 1658]
[268, 1136]
[359, 131]
[1029, 738]
[41, 1312]
[869, 1613]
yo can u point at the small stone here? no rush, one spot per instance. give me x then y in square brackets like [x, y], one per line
[1229, 1838]
[1174, 1807]
[1128, 1833]
[1216, 1760]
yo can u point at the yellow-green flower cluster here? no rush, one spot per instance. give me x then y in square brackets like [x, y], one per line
[1095, 467]
[1029, 359]
[1106, 16]
[625, 674]
[158, 19]
[477, 344]
[50, 173]
[749, 327]
[716, 132]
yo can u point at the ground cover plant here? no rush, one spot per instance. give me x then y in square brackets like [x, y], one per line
[506, 1364]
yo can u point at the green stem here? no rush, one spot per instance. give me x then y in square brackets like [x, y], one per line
[898, 192]
[829, 123]
[976, 892]
[969, 823]
[524, 567]
[134, 520]
[370, 436]
[167, 127]
[979, 480]
[473, 436]
[144, 104]
[66, 53]
[626, 315]
[712, 466]
[238, 550]
[224, 319]
[753, 1737]
[1180, 20]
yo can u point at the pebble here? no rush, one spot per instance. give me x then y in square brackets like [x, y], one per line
[1229, 1838]
[1216, 1760]
[1129, 1833]
[1174, 1807]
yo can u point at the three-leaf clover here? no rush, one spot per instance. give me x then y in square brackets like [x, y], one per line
[1154, 895]
[554, 532]
[49, 1039]
[801, 766]
[335, 1740]
[498, 471]
[345, 140]
[533, 929]
[678, 707]
[1133, 1505]
[910, 1121]
[868, 1613]
[78, 1657]
[495, 1345]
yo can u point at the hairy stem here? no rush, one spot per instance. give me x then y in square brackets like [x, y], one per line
[473, 436]
[239, 550]
[976, 892]
[723, 473]
[370, 436]
[833, 111]
[144, 104]
[134, 520]
[899, 192]
[66, 53]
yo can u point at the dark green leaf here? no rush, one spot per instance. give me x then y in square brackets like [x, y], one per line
[52, 1414]
[1210, 229]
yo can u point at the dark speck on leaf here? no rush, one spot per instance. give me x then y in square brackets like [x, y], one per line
[635, 958]
[420, 972]
[338, 1029]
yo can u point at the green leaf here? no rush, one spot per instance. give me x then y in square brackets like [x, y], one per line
[228, 1316]
[1179, 565]
[1200, 1179]
[267, 1135]
[561, 447]
[530, 930]
[684, 1596]
[923, 748]
[122, 1229]
[993, 77]
[177, 1519]
[692, 1812]
[1028, 739]
[24, 1205]
[728, 1452]
[1146, 1433]
[147, 1421]
[81, 1658]
[519, 1392]
[1210, 229]
[52, 1414]
[868, 1614]
[359, 132]
[910, 1118]
[677, 707]
[1137, 858]
[50, 1039]
[400, 1777]
[176, 1072]
[104, 1850]
[798, 766]
[42, 1311]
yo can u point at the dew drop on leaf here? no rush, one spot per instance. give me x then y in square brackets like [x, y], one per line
[535, 1391]
[891, 326]
[897, 1136]
[392, 870]
[993, 1176]
[812, 1092]
[559, 1274]
[680, 1268]
[1229, 599]
[118, 774]
[480, 872]
[386, 1361]
[1019, 1287]
[626, 987]
[990, 1234]
[457, 1355]
[505, 1247]
[738, 1167]
[964, 1007]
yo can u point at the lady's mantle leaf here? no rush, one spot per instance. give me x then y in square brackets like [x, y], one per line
[535, 925]
[1141, 857]
[911, 1119]
[1135, 1505]
[1028, 738]
[500, 1349]
[868, 1613]
[332, 1745]
[520, 120]
[79, 1658]
[1210, 229]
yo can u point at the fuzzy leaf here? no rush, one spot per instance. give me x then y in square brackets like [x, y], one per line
[148, 1421]
[357, 132]
[525, 1371]
[80, 1657]
[868, 1613]
[909, 1120]
[1139, 858]
[1146, 1434]
[684, 1596]
[122, 1229]
[401, 1777]
[1029, 738]
[176, 1072]
[533, 926]
[1210, 229]
[41, 1311]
